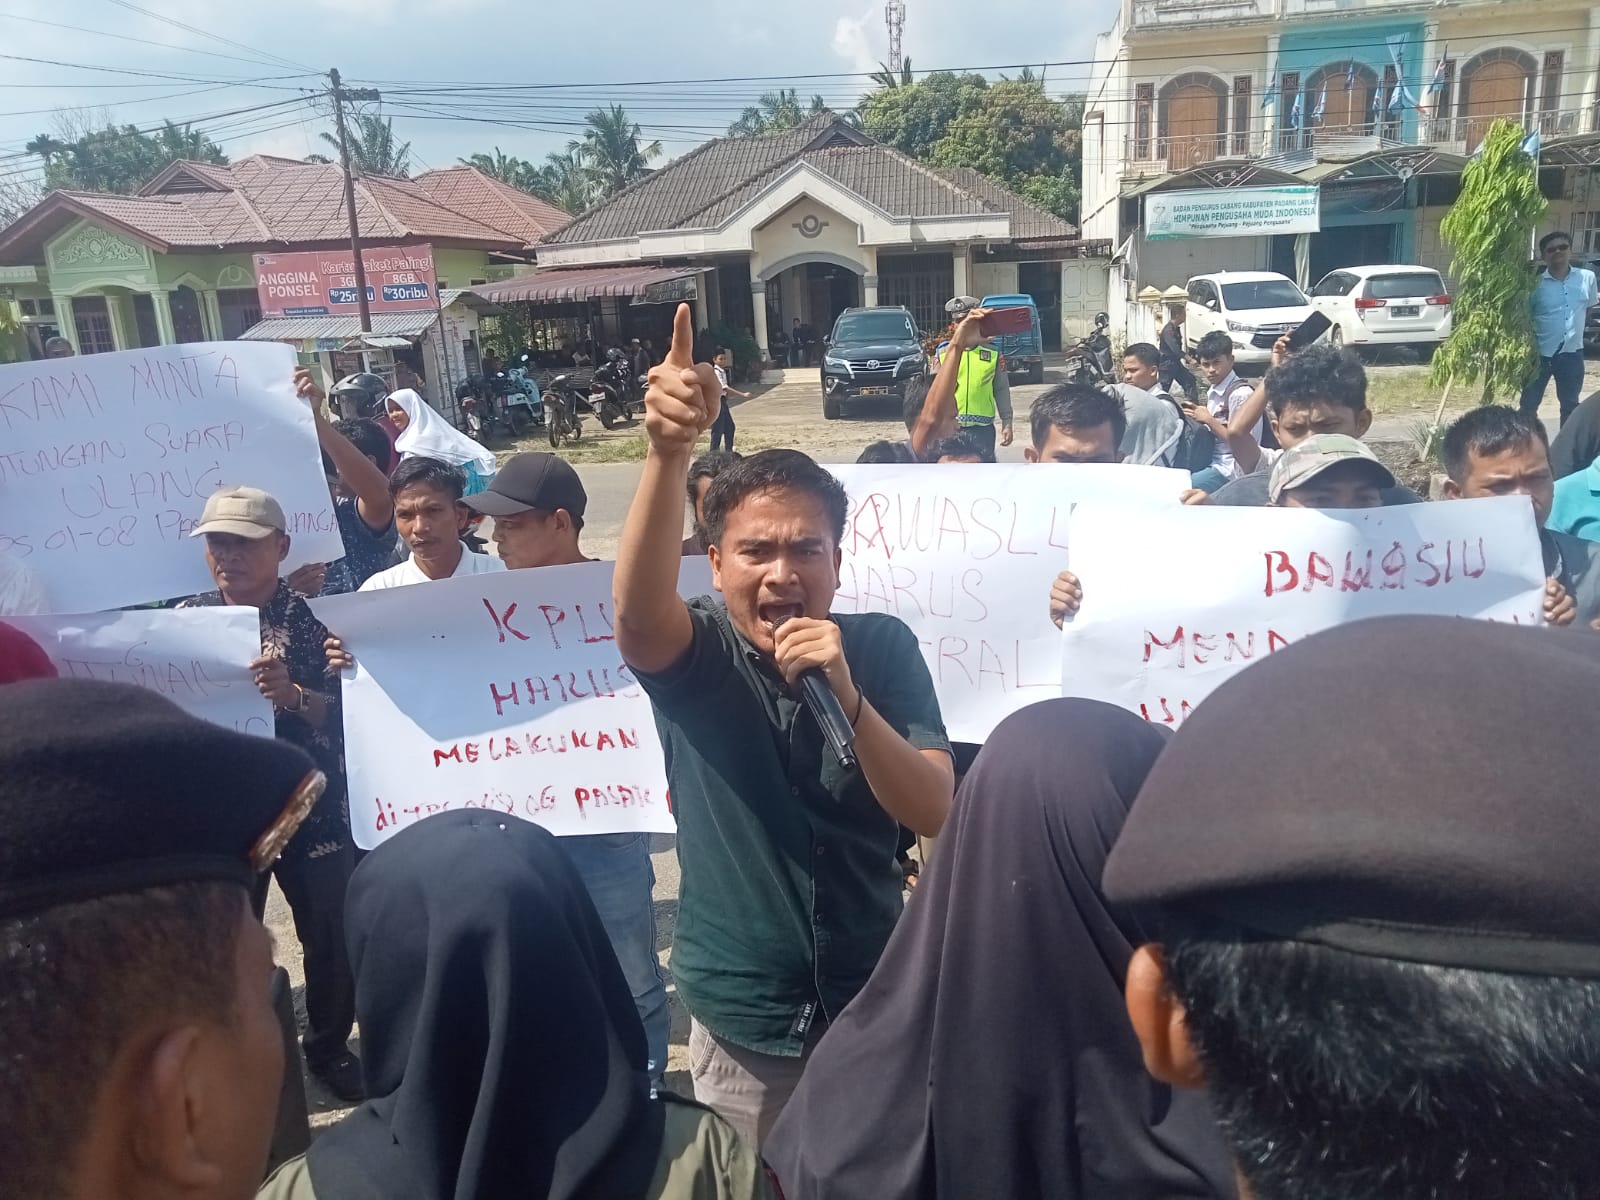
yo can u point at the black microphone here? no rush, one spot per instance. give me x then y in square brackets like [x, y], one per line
[828, 713]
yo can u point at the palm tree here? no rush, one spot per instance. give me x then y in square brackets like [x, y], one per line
[372, 146]
[885, 76]
[610, 151]
[507, 168]
[185, 141]
[774, 113]
[563, 181]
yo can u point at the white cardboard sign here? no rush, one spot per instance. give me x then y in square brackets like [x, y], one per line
[965, 555]
[199, 658]
[503, 692]
[1175, 604]
[106, 461]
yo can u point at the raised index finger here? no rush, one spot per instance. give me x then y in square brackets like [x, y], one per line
[681, 352]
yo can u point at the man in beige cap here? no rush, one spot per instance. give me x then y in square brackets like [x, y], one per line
[1328, 470]
[246, 544]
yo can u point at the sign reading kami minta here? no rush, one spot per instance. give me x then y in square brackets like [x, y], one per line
[1232, 212]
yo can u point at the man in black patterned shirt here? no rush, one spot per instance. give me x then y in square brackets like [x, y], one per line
[246, 544]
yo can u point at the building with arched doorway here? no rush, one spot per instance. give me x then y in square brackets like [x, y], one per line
[786, 230]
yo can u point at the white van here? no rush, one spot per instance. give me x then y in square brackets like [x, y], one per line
[1385, 306]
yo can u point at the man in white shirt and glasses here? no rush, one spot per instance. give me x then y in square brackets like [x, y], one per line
[1561, 301]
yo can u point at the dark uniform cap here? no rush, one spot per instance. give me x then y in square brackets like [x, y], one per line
[1434, 799]
[528, 481]
[108, 787]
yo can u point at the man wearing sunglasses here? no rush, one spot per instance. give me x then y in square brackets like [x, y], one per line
[1562, 298]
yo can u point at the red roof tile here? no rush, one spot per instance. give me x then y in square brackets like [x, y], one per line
[481, 197]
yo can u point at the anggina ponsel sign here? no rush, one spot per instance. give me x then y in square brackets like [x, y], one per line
[322, 283]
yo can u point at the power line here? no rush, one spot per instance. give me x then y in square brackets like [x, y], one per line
[213, 36]
[168, 76]
[123, 37]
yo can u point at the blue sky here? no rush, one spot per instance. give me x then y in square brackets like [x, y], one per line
[400, 44]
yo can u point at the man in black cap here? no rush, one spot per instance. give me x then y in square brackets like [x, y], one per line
[537, 502]
[246, 543]
[1382, 955]
[142, 1057]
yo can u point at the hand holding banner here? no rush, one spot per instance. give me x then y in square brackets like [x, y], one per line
[503, 692]
[965, 556]
[199, 658]
[106, 462]
[1177, 602]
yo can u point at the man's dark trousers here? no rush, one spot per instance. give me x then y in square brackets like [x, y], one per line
[1567, 370]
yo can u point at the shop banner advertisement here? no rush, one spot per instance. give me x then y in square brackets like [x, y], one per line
[199, 658]
[1174, 604]
[503, 692]
[965, 556]
[322, 283]
[1231, 212]
[106, 461]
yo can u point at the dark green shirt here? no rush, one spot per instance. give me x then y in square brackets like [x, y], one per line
[789, 887]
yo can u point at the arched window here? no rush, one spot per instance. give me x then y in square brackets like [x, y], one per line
[1497, 83]
[1193, 120]
[1342, 92]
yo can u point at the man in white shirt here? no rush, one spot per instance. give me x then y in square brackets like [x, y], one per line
[428, 514]
[1562, 298]
[1223, 400]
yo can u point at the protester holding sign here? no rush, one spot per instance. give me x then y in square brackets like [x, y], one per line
[429, 515]
[505, 1056]
[1328, 470]
[1076, 423]
[1499, 451]
[991, 1045]
[245, 543]
[790, 886]
[1378, 950]
[1319, 390]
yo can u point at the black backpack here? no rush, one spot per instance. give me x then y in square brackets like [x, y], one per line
[1196, 445]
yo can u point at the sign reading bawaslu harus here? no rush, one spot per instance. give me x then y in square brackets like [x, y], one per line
[965, 556]
[1232, 212]
[1176, 603]
[106, 461]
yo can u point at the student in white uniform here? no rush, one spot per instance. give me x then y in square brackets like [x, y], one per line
[429, 516]
[426, 434]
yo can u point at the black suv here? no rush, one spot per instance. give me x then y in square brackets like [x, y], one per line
[873, 352]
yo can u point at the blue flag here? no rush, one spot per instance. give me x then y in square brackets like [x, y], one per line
[1322, 105]
[1530, 145]
[1396, 98]
[1294, 113]
[1377, 103]
[1438, 72]
[1272, 87]
[1350, 77]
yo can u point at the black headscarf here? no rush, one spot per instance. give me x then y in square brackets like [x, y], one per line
[990, 1053]
[500, 1045]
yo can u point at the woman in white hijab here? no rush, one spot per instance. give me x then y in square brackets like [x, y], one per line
[426, 434]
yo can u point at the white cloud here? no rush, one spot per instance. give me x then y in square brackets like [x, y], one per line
[852, 42]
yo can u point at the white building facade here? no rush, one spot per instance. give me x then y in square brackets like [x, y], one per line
[1376, 103]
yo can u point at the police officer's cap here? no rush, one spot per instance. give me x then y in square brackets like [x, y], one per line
[108, 788]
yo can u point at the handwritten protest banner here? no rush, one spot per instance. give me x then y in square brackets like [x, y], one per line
[966, 556]
[199, 658]
[503, 692]
[106, 462]
[1176, 603]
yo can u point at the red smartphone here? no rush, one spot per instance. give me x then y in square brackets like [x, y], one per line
[1006, 320]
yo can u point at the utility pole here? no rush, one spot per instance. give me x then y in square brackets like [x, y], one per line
[340, 95]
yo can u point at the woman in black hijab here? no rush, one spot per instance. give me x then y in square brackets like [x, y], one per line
[503, 1056]
[990, 1054]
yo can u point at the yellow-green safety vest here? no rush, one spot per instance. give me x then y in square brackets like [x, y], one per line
[975, 385]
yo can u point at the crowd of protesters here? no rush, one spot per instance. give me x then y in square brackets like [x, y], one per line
[1348, 954]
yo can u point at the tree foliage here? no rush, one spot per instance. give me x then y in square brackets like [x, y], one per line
[373, 150]
[776, 112]
[612, 151]
[1488, 231]
[1012, 130]
[113, 159]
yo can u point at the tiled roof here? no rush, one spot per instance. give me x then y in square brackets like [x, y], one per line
[481, 197]
[259, 203]
[667, 198]
[708, 186]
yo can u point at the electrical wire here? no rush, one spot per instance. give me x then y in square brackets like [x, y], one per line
[176, 24]
[123, 37]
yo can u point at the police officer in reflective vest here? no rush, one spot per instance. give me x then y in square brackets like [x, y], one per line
[982, 389]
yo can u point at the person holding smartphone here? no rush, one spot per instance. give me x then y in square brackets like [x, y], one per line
[983, 392]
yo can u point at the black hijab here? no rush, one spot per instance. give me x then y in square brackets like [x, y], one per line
[990, 1053]
[500, 1045]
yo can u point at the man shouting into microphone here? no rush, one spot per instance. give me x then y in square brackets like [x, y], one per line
[790, 886]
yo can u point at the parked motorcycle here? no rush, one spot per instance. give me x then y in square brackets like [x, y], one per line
[561, 419]
[506, 402]
[1089, 359]
[609, 390]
